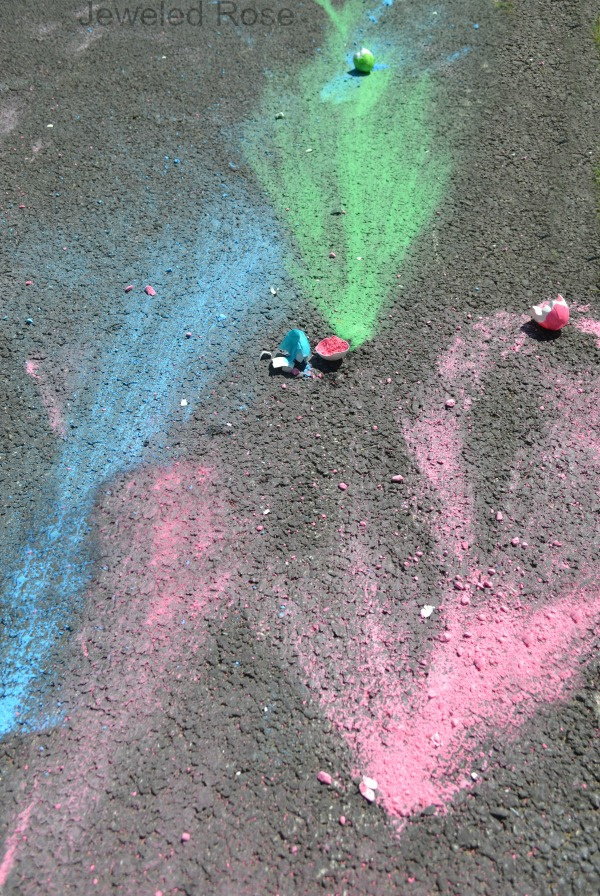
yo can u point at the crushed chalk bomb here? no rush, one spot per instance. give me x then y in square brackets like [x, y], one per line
[553, 314]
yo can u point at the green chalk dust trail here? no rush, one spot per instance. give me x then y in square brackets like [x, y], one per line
[364, 144]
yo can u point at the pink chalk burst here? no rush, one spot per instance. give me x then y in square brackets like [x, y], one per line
[491, 661]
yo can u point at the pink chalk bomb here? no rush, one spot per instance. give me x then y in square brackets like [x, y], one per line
[553, 314]
[332, 348]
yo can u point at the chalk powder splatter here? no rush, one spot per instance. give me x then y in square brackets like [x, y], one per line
[491, 664]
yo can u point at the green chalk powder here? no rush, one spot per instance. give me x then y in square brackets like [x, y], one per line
[363, 60]
[371, 155]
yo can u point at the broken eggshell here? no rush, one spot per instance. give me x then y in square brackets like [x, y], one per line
[296, 346]
[332, 348]
[553, 314]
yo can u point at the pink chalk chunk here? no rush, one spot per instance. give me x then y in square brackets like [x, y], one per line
[342, 820]
[450, 403]
[332, 254]
[149, 291]
[324, 778]
[342, 486]
[29, 283]
[185, 837]
[128, 288]
[553, 314]
[398, 478]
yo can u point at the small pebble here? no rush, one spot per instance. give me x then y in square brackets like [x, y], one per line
[149, 291]
[128, 288]
[185, 837]
[183, 403]
[259, 528]
[465, 600]
[514, 542]
[366, 792]
[342, 820]
[342, 486]
[29, 283]
[188, 335]
[332, 254]
[499, 517]
[280, 115]
[324, 778]
[398, 478]
[363, 524]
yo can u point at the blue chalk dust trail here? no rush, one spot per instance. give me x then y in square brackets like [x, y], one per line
[136, 387]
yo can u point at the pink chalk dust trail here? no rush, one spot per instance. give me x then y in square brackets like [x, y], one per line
[160, 535]
[49, 398]
[12, 843]
[496, 655]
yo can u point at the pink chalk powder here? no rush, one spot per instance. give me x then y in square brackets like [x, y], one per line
[49, 398]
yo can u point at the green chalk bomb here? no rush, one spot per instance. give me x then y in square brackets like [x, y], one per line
[363, 60]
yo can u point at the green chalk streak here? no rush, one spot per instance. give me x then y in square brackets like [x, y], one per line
[372, 155]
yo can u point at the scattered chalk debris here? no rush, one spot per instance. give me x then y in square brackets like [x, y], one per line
[273, 291]
[324, 778]
[398, 478]
[426, 611]
[183, 403]
[29, 283]
[128, 288]
[185, 837]
[279, 115]
[342, 486]
[499, 516]
[280, 363]
[450, 402]
[149, 291]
